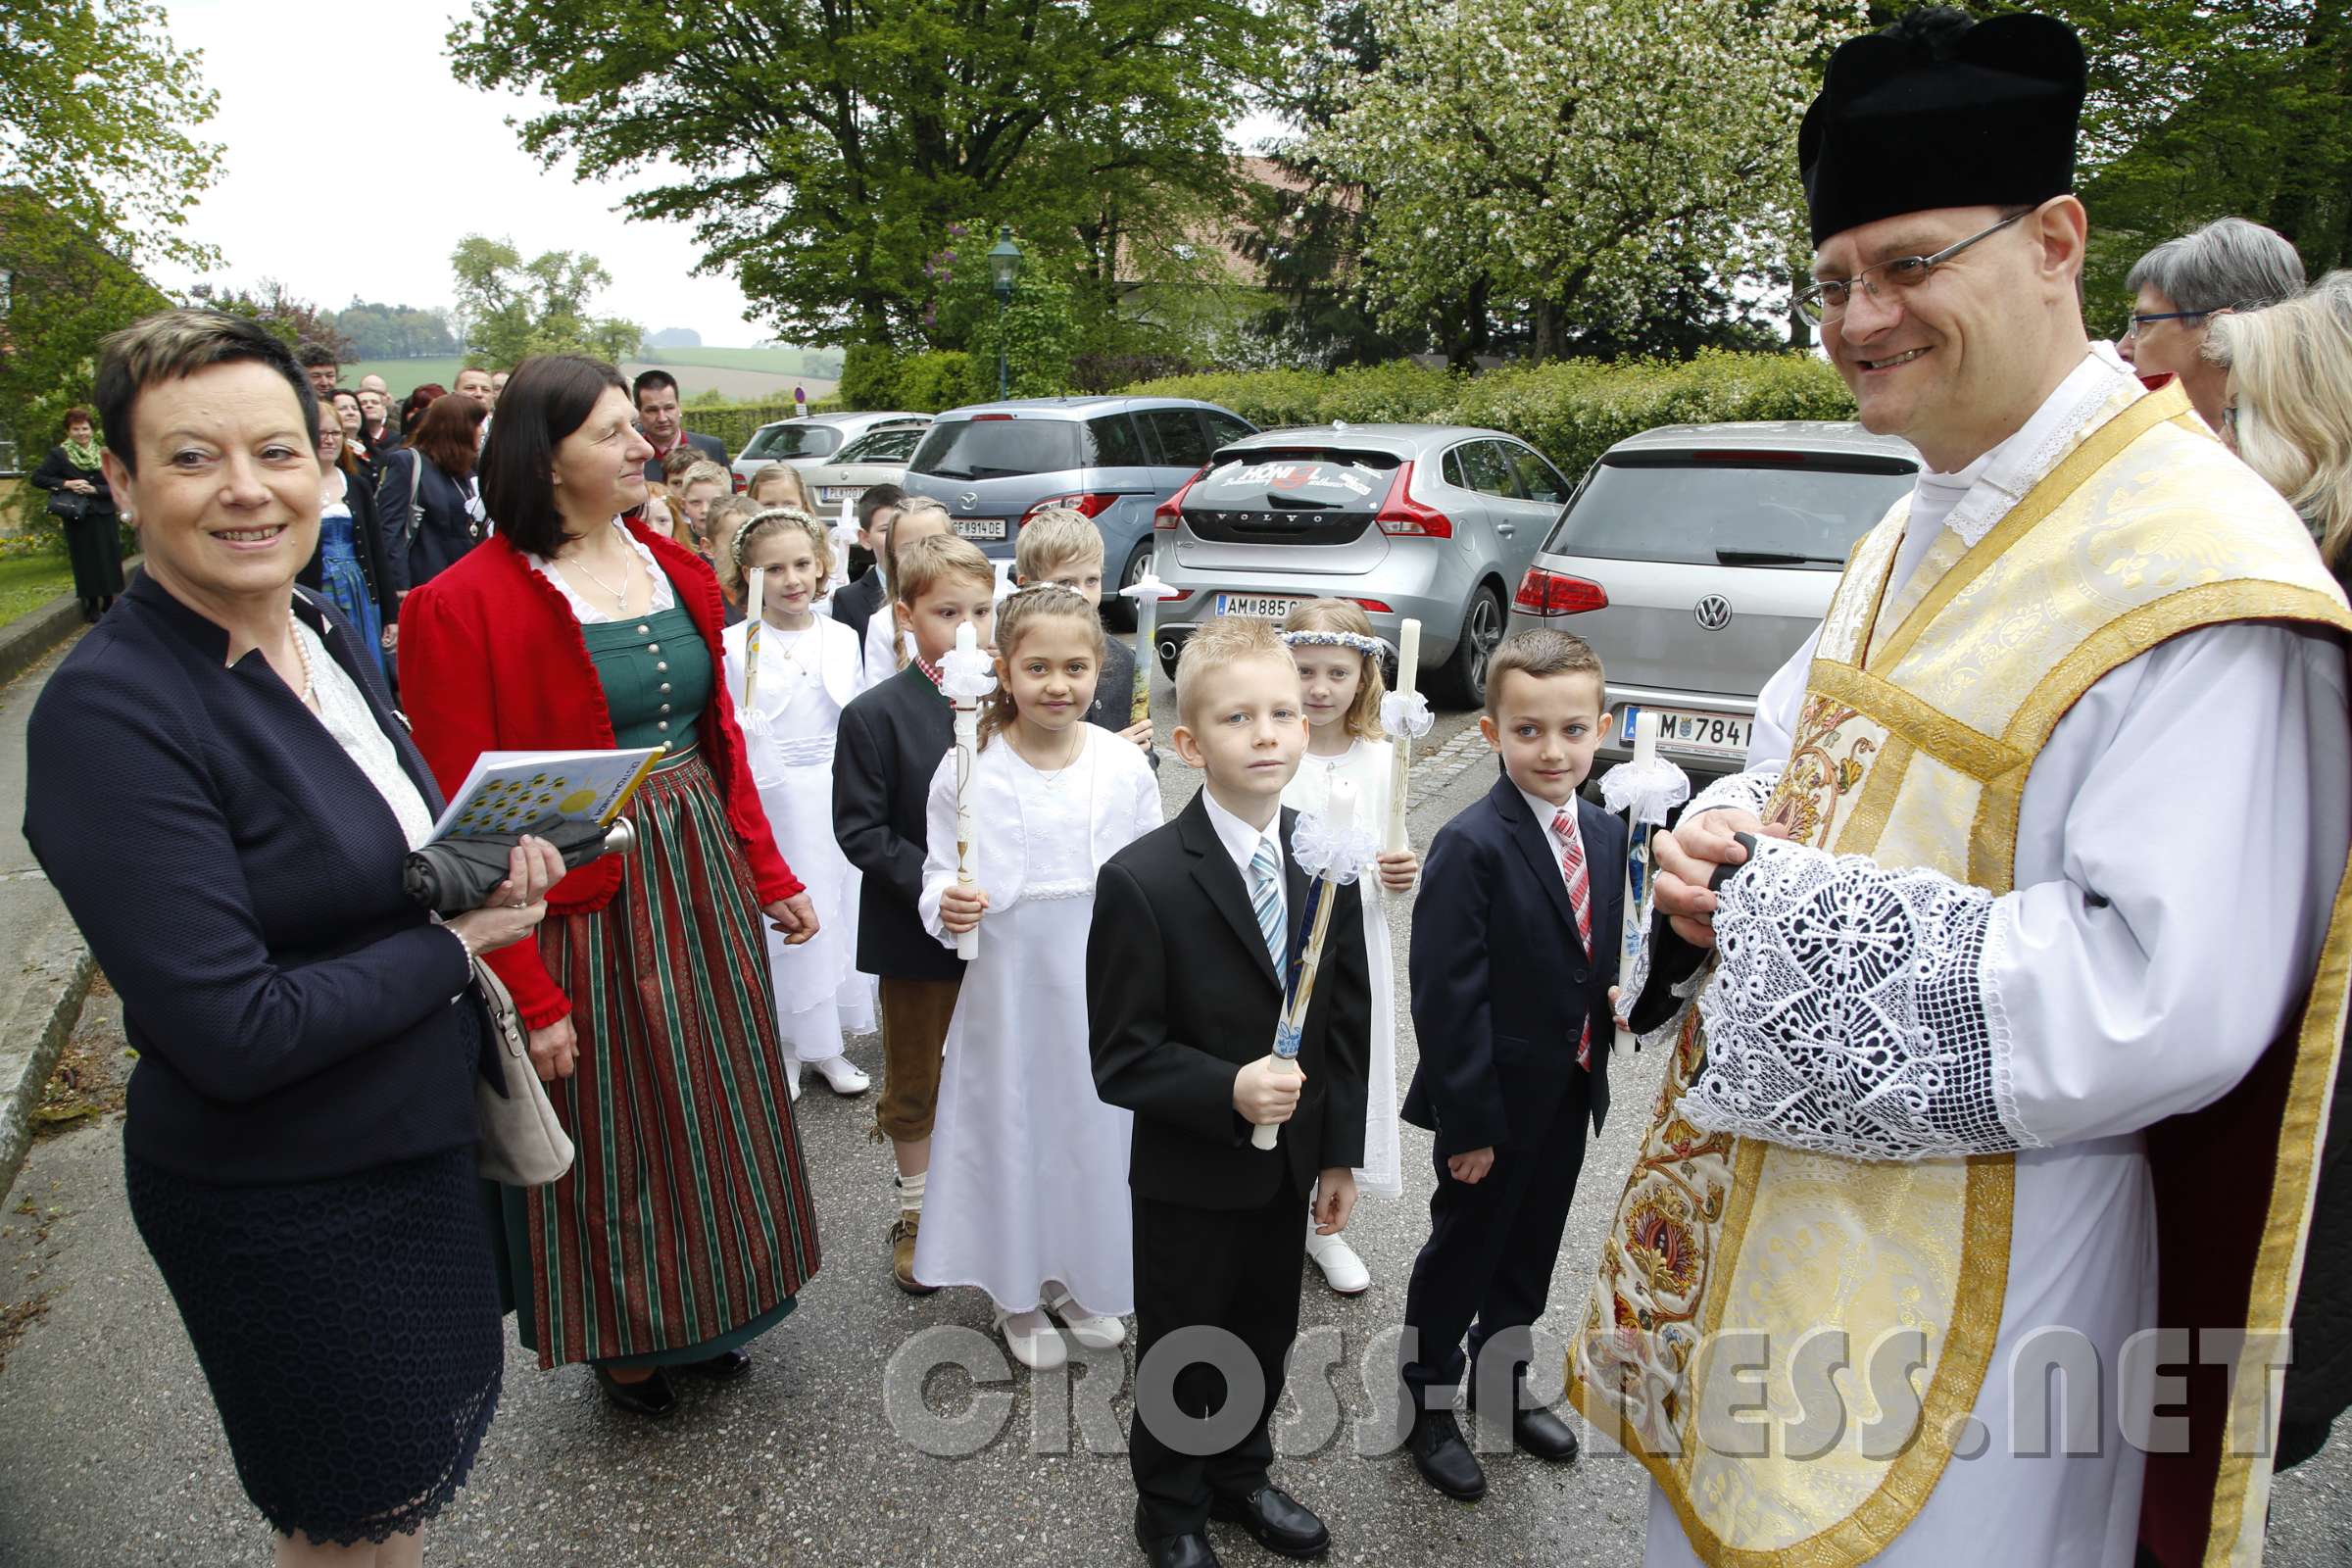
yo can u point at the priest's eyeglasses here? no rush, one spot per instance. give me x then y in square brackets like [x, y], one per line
[1829, 296]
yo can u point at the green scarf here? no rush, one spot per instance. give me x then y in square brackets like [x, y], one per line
[83, 456]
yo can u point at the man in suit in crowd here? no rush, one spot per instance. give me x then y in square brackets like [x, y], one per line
[662, 422]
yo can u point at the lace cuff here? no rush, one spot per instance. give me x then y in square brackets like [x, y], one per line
[1748, 791]
[1848, 1013]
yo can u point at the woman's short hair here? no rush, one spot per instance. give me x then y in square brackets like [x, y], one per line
[704, 473]
[2290, 380]
[76, 414]
[546, 399]
[2228, 264]
[173, 344]
[447, 433]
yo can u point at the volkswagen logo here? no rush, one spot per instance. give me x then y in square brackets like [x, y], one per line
[1713, 612]
[971, 498]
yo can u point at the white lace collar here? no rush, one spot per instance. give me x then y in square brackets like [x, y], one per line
[663, 598]
[2103, 384]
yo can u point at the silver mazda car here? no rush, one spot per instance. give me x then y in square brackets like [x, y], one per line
[1696, 558]
[1435, 524]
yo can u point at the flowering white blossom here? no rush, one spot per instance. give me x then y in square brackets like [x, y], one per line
[1566, 148]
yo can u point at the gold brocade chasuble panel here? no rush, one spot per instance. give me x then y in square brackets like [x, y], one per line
[1922, 719]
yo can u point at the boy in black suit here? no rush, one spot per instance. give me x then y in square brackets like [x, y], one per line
[1514, 948]
[890, 740]
[1194, 923]
[863, 598]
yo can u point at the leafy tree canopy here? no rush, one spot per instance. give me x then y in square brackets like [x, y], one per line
[512, 309]
[822, 148]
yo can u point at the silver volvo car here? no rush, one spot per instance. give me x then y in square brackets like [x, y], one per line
[1435, 524]
[1695, 558]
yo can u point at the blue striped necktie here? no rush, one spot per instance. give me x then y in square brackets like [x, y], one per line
[1265, 898]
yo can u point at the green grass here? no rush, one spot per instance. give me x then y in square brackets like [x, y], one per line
[823, 363]
[28, 582]
[404, 377]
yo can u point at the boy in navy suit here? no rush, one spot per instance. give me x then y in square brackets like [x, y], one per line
[1514, 950]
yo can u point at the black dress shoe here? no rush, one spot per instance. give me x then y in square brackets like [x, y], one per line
[1545, 1436]
[1277, 1521]
[651, 1397]
[719, 1368]
[1175, 1552]
[1444, 1459]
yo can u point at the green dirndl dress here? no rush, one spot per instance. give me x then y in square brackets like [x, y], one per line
[685, 1226]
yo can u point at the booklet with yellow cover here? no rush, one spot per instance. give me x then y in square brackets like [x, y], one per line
[511, 793]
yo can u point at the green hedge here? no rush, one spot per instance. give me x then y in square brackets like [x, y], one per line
[874, 377]
[1571, 411]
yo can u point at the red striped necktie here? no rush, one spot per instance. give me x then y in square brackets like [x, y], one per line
[1580, 895]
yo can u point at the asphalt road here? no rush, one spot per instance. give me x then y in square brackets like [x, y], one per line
[110, 1452]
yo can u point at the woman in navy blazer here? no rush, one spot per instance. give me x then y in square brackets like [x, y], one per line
[219, 789]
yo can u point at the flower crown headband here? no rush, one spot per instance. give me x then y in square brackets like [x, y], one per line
[751, 523]
[1369, 647]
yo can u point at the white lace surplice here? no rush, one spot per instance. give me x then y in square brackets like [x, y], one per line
[2177, 851]
[1366, 764]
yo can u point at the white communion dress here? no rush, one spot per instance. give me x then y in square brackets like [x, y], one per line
[1028, 1180]
[805, 680]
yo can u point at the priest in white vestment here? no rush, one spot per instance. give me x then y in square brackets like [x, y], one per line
[2014, 997]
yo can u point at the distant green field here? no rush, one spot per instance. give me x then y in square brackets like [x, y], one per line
[404, 377]
[776, 361]
[763, 375]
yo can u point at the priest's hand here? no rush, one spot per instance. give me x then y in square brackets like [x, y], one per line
[1686, 861]
[795, 917]
[961, 908]
[1335, 1200]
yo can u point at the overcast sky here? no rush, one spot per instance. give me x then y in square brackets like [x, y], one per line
[382, 236]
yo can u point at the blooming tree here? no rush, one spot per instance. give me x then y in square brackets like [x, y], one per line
[1567, 151]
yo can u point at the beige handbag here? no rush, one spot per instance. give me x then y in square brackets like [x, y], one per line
[522, 1143]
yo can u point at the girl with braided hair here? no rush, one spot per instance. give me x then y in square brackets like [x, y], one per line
[801, 668]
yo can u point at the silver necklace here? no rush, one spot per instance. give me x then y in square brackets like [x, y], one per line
[1076, 752]
[620, 595]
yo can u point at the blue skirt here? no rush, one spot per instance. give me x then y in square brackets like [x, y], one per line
[340, 575]
[349, 1329]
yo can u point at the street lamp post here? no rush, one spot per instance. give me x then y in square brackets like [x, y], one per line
[1004, 267]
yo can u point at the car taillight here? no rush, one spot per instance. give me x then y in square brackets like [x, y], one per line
[1375, 606]
[1544, 592]
[741, 484]
[1085, 505]
[1400, 516]
[1169, 512]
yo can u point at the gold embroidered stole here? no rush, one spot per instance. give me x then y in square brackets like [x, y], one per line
[1913, 747]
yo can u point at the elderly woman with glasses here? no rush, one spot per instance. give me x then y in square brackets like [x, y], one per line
[2182, 285]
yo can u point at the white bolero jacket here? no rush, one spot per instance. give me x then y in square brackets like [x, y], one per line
[1124, 805]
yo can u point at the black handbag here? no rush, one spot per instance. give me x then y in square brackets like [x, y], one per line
[68, 506]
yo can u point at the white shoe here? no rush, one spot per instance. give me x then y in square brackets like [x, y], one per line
[792, 1077]
[841, 1075]
[1094, 1333]
[1343, 1270]
[1041, 1349]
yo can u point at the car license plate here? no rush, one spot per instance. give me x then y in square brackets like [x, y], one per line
[1265, 607]
[1687, 730]
[838, 493]
[980, 528]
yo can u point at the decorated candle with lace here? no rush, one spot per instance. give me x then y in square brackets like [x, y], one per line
[1332, 852]
[966, 675]
[1647, 790]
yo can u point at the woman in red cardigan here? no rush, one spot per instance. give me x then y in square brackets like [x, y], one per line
[684, 1228]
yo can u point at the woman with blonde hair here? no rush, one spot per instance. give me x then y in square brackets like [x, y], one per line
[2289, 405]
